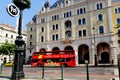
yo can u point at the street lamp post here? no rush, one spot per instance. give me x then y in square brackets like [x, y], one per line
[95, 56]
[19, 53]
[19, 50]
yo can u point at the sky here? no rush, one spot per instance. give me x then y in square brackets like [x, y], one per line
[27, 13]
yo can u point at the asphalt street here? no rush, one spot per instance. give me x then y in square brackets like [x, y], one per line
[72, 73]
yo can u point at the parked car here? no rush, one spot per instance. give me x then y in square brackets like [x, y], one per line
[9, 64]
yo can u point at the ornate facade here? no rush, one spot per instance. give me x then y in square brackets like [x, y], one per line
[86, 26]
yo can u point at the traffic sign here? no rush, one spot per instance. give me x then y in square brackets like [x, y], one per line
[12, 10]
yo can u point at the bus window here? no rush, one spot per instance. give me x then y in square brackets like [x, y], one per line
[35, 60]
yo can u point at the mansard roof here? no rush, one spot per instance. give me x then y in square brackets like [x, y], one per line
[58, 2]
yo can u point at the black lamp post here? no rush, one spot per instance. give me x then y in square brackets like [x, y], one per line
[95, 56]
[19, 51]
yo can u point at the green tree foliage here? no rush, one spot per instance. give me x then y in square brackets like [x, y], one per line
[7, 48]
[22, 4]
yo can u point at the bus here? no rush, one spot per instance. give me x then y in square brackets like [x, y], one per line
[54, 58]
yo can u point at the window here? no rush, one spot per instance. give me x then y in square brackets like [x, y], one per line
[42, 29]
[118, 32]
[67, 14]
[66, 2]
[12, 36]
[79, 33]
[6, 35]
[118, 20]
[81, 11]
[30, 36]
[30, 43]
[83, 21]
[55, 17]
[43, 20]
[99, 6]
[79, 22]
[101, 29]
[30, 29]
[42, 38]
[78, 12]
[56, 36]
[117, 10]
[100, 17]
[55, 27]
[84, 32]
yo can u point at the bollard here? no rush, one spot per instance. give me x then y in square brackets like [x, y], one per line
[1, 68]
[62, 72]
[43, 72]
[87, 69]
[13, 67]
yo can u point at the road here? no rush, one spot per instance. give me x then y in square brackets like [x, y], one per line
[72, 73]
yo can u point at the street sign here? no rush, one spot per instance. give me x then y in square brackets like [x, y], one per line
[12, 10]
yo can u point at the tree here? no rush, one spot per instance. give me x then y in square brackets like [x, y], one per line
[22, 4]
[7, 48]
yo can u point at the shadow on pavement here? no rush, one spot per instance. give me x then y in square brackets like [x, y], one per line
[6, 77]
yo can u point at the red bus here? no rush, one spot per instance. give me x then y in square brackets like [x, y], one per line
[53, 58]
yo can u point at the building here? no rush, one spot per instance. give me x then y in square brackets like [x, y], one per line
[86, 26]
[8, 34]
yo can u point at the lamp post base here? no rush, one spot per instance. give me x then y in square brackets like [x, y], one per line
[17, 72]
[17, 75]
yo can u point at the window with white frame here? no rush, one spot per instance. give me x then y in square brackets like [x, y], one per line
[67, 14]
[118, 20]
[55, 37]
[81, 10]
[100, 17]
[55, 27]
[55, 17]
[82, 33]
[117, 10]
[42, 29]
[101, 29]
[99, 6]
[42, 38]
[82, 21]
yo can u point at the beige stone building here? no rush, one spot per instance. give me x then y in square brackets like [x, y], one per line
[86, 26]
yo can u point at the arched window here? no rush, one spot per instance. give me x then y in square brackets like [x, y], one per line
[53, 27]
[79, 22]
[53, 37]
[42, 38]
[101, 5]
[118, 20]
[79, 33]
[101, 29]
[83, 21]
[84, 32]
[42, 29]
[100, 17]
